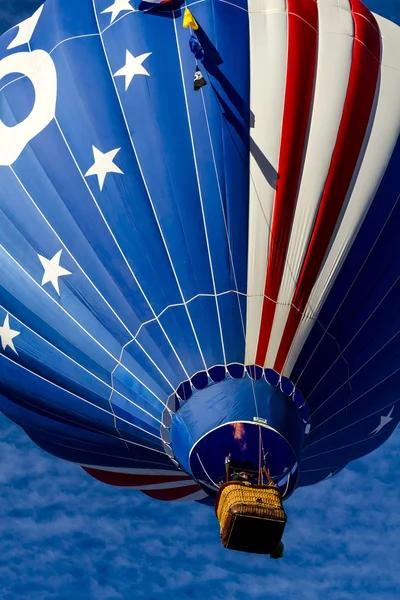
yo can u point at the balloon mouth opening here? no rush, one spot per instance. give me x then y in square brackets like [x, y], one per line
[235, 428]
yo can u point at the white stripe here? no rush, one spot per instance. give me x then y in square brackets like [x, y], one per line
[383, 138]
[335, 48]
[162, 486]
[145, 472]
[168, 485]
[200, 495]
[268, 60]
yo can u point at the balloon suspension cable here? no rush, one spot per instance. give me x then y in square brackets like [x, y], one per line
[287, 486]
[268, 476]
[227, 466]
[261, 471]
[259, 455]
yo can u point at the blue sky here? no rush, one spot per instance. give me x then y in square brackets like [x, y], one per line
[64, 535]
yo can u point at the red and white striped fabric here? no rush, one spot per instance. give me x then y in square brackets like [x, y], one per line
[156, 483]
[322, 92]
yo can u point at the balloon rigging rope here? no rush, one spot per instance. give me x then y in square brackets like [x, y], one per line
[200, 192]
[228, 241]
[225, 221]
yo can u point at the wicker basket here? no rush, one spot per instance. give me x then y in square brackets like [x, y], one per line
[251, 517]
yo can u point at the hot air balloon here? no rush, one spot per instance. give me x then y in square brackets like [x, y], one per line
[200, 284]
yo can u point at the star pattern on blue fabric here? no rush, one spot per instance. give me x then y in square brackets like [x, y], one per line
[7, 335]
[133, 66]
[103, 164]
[53, 270]
[117, 7]
[384, 422]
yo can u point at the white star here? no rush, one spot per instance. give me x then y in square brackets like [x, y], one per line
[52, 270]
[133, 66]
[117, 7]
[25, 30]
[103, 164]
[7, 335]
[384, 421]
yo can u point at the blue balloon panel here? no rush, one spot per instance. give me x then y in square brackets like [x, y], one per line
[157, 181]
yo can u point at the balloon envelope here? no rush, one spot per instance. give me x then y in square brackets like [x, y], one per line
[189, 275]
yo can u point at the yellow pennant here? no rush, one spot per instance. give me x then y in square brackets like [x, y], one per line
[189, 20]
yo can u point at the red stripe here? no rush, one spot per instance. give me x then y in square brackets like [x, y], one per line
[172, 493]
[130, 480]
[302, 51]
[356, 115]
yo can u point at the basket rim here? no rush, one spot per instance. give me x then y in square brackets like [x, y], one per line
[242, 484]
